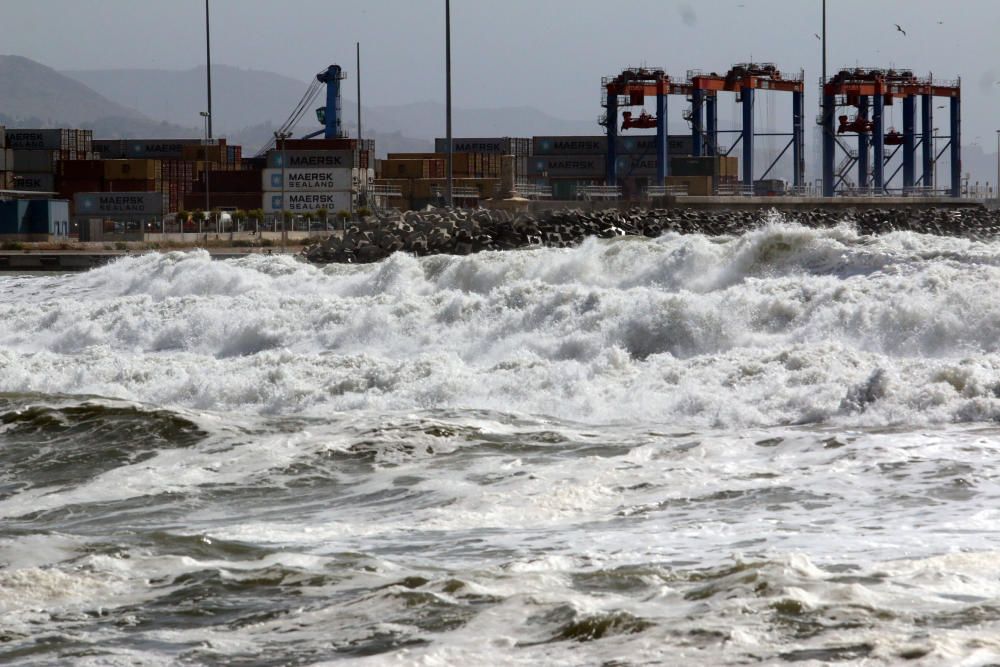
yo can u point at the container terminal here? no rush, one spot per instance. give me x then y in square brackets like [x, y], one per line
[63, 184]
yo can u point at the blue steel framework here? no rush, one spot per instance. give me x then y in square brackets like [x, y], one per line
[872, 90]
[745, 79]
[632, 86]
[330, 115]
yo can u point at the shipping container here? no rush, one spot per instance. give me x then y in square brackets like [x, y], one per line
[307, 179]
[88, 169]
[677, 144]
[122, 205]
[433, 168]
[214, 154]
[243, 201]
[567, 166]
[303, 202]
[42, 182]
[121, 170]
[6, 159]
[34, 161]
[133, 185]
[695, 166]
[331, 159]
[49, 140]
[230, 181]
[3, 137]
[492, 145]
[696, 186]
[325, 145]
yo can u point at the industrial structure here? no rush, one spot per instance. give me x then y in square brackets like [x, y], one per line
[869, 92]
[634, 85]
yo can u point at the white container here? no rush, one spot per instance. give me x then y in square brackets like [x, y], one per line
[308, 202]
[298, 180]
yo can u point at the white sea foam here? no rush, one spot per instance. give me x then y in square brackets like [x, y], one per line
[782, 325]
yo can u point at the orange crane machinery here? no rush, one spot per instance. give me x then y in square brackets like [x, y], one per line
[872, 89]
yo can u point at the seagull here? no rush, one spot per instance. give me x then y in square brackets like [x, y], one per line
[900, 29]
[816, 35]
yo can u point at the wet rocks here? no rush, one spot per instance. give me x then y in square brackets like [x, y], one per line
[463, 232]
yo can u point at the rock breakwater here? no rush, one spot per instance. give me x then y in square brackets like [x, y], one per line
[463, 232]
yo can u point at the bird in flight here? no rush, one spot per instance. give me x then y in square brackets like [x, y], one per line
[900, 29]
[816, 35]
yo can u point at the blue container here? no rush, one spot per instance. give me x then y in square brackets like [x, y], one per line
[13, 216]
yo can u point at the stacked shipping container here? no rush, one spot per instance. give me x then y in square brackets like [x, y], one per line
[6, 175]
[31, 158]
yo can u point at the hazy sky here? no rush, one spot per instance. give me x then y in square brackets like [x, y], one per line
[549, 54]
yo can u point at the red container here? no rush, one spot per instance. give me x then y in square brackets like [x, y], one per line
[132, 186]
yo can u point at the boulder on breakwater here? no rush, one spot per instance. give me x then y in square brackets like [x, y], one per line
[464, 231]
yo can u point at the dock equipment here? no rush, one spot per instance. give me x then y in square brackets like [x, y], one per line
[631, 88]
[634, 85]
[745, 79]
[328, 115]
[869, 91]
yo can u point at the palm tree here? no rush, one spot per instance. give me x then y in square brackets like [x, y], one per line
[322, 214]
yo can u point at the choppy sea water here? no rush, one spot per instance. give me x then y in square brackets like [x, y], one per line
[774, 448]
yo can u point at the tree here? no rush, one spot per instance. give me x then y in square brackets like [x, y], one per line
[239, 217]
[199, 217]
[322, 214]
[181, 217]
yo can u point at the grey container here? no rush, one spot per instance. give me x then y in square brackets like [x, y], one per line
[567, 166]
[51, 140]
[488, 145]
[119, 205]
[34, 161]
[165, 149]
[640, 144]
[109, 149]
[695, 166]
[311, 159]
[6, 159]
[35, 182]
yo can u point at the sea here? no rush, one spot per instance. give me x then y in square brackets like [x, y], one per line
[774, 448]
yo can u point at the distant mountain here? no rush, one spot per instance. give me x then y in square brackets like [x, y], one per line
[244, 101]
[240, 97]
[33, 95]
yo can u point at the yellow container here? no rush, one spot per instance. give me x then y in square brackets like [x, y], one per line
[132, 170]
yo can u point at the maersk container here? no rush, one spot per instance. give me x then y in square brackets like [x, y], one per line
[49, 140]
[119, 205]
[567, 166]
[325, 159]
[489, 145]
[34, 182]
[34, 161]
[640, 144]
[297, 180]
[307, 202]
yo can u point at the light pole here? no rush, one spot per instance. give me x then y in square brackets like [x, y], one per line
[996, 187]
[208, 68]
[208, 194]
[281, 136]
[447, 66]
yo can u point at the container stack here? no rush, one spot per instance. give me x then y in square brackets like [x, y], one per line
[33, 156]
[568, 163]
[486, 152]
[6, 160]
[702, 176]
[316, 174]
[240, 190]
